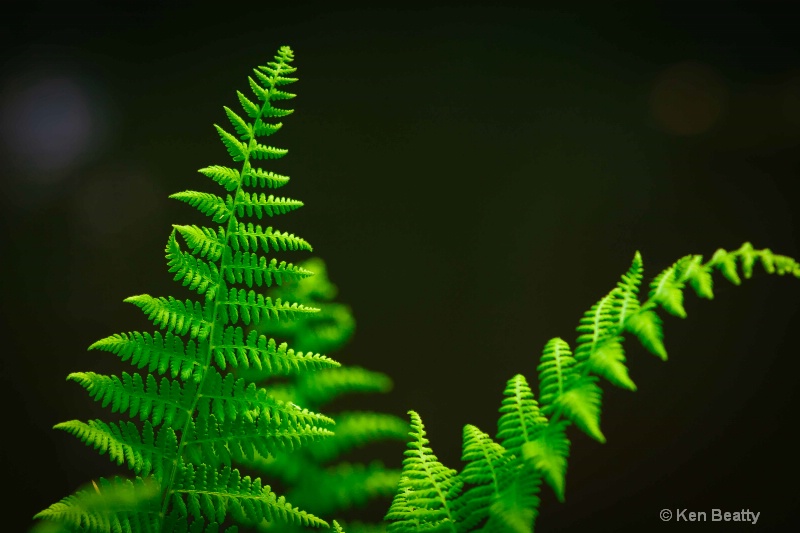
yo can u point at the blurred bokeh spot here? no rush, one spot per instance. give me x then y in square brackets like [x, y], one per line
[49, 124]
[688, 98]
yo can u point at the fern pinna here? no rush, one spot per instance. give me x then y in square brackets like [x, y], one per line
[196, 419]
[497, 490]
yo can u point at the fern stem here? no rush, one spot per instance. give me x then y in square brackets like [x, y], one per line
[167, 490]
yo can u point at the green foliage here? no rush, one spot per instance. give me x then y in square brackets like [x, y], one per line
[317, 477]
[192, 418]
[497, 489]
[220, 388]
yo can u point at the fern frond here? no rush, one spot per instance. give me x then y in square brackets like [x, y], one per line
[250, 268]
[162, 354]
[262, 151]
[227, 177]
[206, 242]
[646, 325]
[252, 307]
[520, 420]
[175, 316]
[427, 489]
[114, 505]
[626, 301]
[666, 289]
[166, 401]
[608, 360]
[197, 274]
[209, 204]
[208, 440]
[515, 509]
[564, 391]
[548, 454]
[256, 177]
[482, 477]
[247, 236]
[237, 150]
[213, 494]
[231, 348]
[261, 204]
[243, 129]
[142, 453]
[227, 397]
[265, 129]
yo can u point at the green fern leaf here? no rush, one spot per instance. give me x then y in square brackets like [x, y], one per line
[250, 268]
[249, 107]
[112, 505]
[520, 419]
[227, 177]
[259, 353]
[251, 307]
[548, 454]
[246, 236]
[208, 204]
[214, 493]
[265, 129]
[646, 325]
[193, 272]
[237, 150]
[165, 401]
[426, 490]
[608, 361]
[482, 477]
[262, 151]
[165, 355]
[699, 276]
[206, 242]
[142, 453]
[242, 128]
[667, 289]
[175, 316]
[261, 204]
[256, 177]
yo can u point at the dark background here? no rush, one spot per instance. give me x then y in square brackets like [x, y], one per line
[476, 178]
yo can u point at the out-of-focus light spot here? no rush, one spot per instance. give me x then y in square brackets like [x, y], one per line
[687, 99]
[48, 125]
